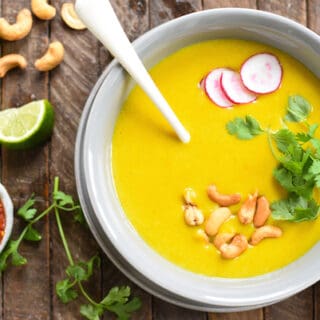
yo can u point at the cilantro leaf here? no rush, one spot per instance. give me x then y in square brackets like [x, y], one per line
[295, 209]
[65, 291]
[32, 234]
[78, 216]
[124, 311]
[116, 295]
[11, 251]
[83, 270]
[91, 312]
[63, 200]
[298, 109]
[27, 212]
[284, 138]
[244, 128]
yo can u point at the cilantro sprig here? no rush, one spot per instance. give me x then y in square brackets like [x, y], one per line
[298, 155]
[116, 301]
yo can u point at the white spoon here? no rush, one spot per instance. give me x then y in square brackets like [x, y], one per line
[101, 20]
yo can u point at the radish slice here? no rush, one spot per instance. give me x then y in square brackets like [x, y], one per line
[234, 89]
[213, 88]
[261, 73]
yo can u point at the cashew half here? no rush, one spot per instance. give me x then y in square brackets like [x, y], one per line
[265, 232]
[222, 238]
[52, 58]
[216, 219]
[70, 17]
[18, 30]
[235, 248]
[193, 216]
[42, 9]
[11, 61]
[224, 200]
[189, 196]
[262, 213]
[248, 209]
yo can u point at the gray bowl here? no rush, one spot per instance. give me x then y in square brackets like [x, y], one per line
[95, 184]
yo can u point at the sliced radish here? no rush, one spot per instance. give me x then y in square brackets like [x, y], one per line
[213, 88]
[261, 73]
[234, 89]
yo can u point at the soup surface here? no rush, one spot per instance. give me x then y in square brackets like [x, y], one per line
[152, 167]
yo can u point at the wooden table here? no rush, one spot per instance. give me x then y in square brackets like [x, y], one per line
[28, 292]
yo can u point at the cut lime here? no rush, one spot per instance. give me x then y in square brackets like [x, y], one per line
[27, 126]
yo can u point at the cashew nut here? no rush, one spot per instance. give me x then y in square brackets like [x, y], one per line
[11, 61]
[52, 58]
[202, 236]
[70, 17]
[189, 196]
[235, 248]
[222, 238]
[262, 213]
[224, 200]
[42, 9]
[18, 30]
[248, 209]
[265, 232]
[216, 219]
[193, 216]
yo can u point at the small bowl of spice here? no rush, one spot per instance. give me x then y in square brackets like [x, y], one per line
[6, 217]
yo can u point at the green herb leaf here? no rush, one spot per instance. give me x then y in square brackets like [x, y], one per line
[63, 200]
[298, 109]
[124, 311]
[91, 312]
[116, 295]
[295, 209]
[27, 212]
[65, 291]
[83, 270]
[78, 216]
[244, 128]
[285, 138]
[32, 234]
[11, 251]
[17, 259]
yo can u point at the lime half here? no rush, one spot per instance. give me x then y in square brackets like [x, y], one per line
[27, 126]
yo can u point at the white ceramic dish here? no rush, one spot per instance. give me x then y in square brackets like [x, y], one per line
[94, 174]
[8, 207]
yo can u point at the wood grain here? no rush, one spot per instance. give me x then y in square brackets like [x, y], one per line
[70, 85]
[211, 4]
[24, 173]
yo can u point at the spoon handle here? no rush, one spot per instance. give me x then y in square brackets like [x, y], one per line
[101, 20]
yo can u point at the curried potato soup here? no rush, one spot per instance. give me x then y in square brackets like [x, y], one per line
[152, 168]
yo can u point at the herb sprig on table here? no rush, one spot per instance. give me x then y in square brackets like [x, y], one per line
[298, 154]
[116, 301]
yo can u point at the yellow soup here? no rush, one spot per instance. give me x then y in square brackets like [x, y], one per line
[152, 167]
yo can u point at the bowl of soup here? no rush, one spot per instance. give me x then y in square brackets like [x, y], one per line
[150, 199]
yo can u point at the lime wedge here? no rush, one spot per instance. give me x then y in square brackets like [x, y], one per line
[27, 126]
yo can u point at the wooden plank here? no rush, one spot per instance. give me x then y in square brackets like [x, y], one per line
[24, 173]
[134, 17]
[301, 305]
[212, 4]
[160, 12]
[246, 315]
[70, 85]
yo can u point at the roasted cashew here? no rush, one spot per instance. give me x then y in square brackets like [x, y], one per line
[224, 200]
[192, 215]
[189, 196]
[18, 30]
[216, 219]
[70, 17]
[11, 61]
[235, 248]
[248, 209]
[265, 232]
[52, 58]
[222, 238]
[42, 9]
[262, 213]
[202, 236]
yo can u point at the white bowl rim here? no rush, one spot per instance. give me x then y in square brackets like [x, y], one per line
[225, 301]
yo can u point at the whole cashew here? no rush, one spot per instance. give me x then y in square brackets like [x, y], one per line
[193, 216]
[42, 9]
[18, 30]
[224, 200]
[52, 58]
[11, 61]
[262, 213]
[216, 219]
[235, 248]
[265, 232]
[248, 209]
[222, 238]
[70, 17]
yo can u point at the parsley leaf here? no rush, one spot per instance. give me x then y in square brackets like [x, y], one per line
[65, 291]
[244, 128]
[27, 212]
[298, 109]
